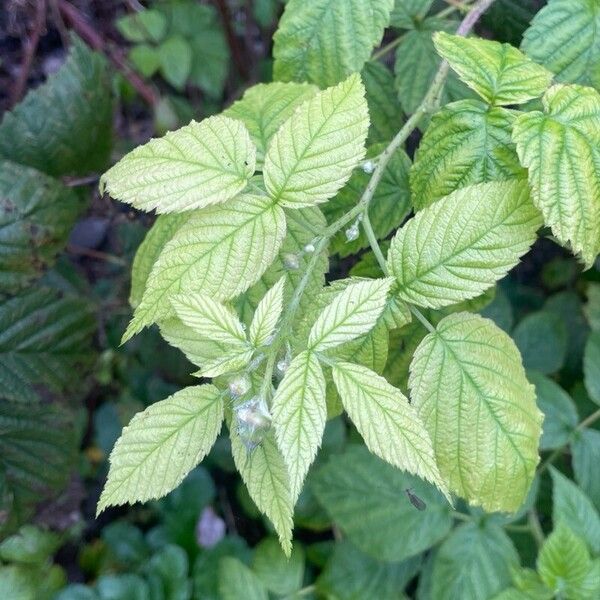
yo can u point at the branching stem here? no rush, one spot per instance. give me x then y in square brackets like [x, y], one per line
[429, 104]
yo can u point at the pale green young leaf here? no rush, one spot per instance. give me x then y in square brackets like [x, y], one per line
[198, 350]
[314, 152]
[499, 73]
[591, 366]
[229, 362]
[571, 506]
[564, 564]
[560, 149]
[210, 319]
[299, 416]
[265, 107]
[475, 561]
[265, 475]
[351, 314]
[565, 37]
[459, 246]
[387, 422]
[219, 252]
[469, 387]
[161, 445]
[363, 494]
[237, 581]
[160, 233]
[467, 142]
[198, 165]
[324, 41]
[267, 314]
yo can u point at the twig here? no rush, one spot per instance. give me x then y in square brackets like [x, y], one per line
[429, 104]
[72, 15]
[237, 53]
[30, 48]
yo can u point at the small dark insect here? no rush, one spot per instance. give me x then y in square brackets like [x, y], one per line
[415, 500]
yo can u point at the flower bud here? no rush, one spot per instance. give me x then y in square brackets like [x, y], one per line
[252, 420]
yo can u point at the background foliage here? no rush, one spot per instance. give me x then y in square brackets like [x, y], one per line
[105, 77]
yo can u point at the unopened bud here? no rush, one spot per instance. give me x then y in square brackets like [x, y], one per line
[291, 261]
[309, 248]
[282, 366]
[253, 420]
[368, 167]
[352, 233]
[239, 386]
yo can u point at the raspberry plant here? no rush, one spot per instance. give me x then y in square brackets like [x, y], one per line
[252, 203]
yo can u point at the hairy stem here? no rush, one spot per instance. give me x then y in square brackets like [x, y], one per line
[430, 103]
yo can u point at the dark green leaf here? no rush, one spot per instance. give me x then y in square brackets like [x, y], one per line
[351, 575]
[364, 495]
[586, 458]
[560, 413]
[36, 216]
[64, 127]
[474, 562]
[542, 340]
[44, 339]
[572, 507]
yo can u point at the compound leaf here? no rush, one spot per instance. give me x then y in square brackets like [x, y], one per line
[469, 387]
[324, 41]
[314, 152]
[219, 252]
[299, 416]
[560, 149]
[198, 165]
[499, 73]
[459, 246]
[162, 444]
[389, 425]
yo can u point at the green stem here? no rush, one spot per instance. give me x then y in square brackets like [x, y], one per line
[535, 527]
[368, 228]
[421, 317]
[388, 47]
[461, 516]
[430, 103]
